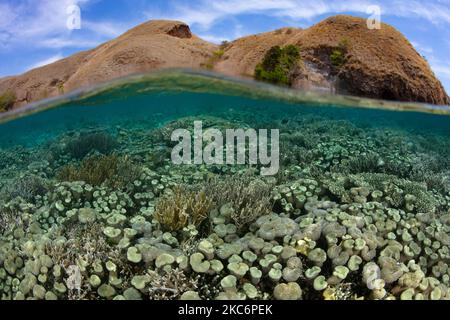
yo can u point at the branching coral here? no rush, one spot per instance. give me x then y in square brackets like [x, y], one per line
[398, 193]
[250, 198]
[178, 210]
[25, 187]
[87, 243]
[170, 285]
[81, 146]
[85, 248]
[116, 171]
[9, 220]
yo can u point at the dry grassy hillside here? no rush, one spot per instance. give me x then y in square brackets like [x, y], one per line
[152, 45]
[378, 63]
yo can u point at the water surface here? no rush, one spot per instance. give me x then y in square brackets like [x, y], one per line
[359, 209]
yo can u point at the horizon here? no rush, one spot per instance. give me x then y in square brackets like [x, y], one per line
[34, 33]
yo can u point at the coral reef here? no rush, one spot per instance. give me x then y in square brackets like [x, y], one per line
[357, 212]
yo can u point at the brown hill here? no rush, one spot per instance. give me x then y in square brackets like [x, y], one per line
[152, 45]
[379, 63]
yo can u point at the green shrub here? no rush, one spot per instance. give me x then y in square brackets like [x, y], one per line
[224, 44]
[7, 101]
[338, 56]
[278, 65]
[211, 62]
[218, 54]
[61, 89]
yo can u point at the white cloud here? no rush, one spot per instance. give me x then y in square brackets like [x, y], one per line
[436, 12]
[106, 28]
[206, 12]
[214, 38]
[43, 23]
[423, 49]
[7, 15]
[47, 61]
[40, 18]
[63, 42]
[442, 70]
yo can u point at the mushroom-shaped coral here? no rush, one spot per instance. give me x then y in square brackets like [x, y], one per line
[255, 275]
[250, 290]
[312, 273]
[341, 272]
[273, 226]
[87, 215]
[354, 263]
[112, 234]
[133, 255]
[206, 248]
[289, 291]
[140, 282]
[216, 266]
[318, 256]
[106, 291]
[320, 283]
[238, 269]
[198, 264]
[164, 260]
[229, 283]
[190, 296]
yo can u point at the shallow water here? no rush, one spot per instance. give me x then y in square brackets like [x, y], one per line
[363, 192]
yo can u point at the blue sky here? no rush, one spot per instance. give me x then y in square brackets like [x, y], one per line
[34, 32]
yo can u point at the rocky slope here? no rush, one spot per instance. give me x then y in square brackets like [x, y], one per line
[153, 45]
[378, 63]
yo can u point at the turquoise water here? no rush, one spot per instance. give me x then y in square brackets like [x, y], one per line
[360, 207]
